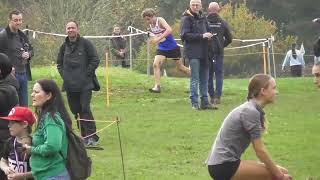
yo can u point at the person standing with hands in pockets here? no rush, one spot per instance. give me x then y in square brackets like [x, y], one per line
[76, 62]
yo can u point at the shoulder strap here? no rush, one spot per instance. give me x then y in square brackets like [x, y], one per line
[62, 155]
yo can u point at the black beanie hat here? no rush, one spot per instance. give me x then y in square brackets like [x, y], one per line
[5, 66]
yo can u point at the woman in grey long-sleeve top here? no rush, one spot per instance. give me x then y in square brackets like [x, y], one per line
[244, 125]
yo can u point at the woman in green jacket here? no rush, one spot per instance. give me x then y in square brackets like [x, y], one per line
[49, 143]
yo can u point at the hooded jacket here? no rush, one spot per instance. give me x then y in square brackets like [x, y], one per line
[193, 26]
[223, 35]
[8, 99]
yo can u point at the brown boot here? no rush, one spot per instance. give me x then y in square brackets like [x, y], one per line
[217, 100]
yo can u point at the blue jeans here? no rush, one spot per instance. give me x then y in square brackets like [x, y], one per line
[216, 70]
[23, 88]
[198, 79]
[62, 176]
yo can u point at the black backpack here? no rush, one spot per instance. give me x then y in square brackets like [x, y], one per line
[78, 163]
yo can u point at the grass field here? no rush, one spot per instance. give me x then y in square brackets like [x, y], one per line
[164, 139]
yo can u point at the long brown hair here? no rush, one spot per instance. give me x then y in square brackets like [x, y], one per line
[256, 83]
[54, 105]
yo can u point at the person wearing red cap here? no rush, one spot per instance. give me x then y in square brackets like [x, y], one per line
[15, 161]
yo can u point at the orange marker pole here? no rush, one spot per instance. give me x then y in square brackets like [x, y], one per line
[107, 81]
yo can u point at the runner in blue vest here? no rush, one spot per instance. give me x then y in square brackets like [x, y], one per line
[167, 46]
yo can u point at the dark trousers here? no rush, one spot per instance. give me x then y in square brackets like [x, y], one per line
[215, 70]
[296, 70]
[79, 103]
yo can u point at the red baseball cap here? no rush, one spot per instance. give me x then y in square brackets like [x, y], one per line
[20, 114]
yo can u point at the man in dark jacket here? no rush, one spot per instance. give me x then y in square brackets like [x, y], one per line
[118, 48]
[77, 61]
[195, 34]
[8, 99]
[221, 40]
[15, 44]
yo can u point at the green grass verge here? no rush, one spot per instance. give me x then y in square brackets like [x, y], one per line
[164, 139]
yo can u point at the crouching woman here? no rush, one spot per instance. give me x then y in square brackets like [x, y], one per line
[244, 125]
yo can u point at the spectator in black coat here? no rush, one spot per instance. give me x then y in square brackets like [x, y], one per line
[77, 61]
[118, 48]
[15, 44]
[220, 40]
[8, 99]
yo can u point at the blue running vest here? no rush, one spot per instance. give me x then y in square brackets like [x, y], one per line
[168, 43]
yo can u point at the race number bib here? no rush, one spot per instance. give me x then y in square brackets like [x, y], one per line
[18, 166]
